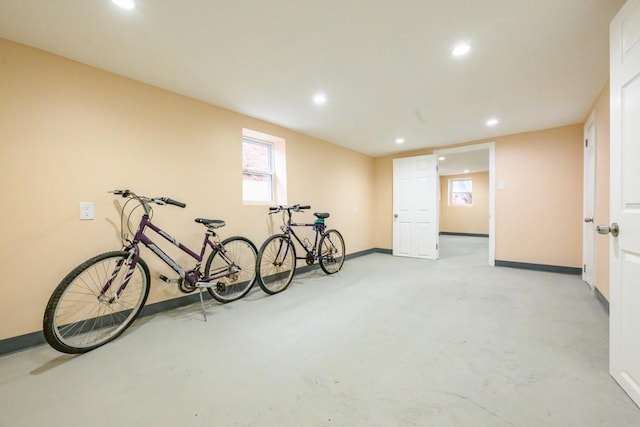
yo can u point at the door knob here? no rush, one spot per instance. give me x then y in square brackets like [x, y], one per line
[395, 215]
[588, 219]
[613, 229]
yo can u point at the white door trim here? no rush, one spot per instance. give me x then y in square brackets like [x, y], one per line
[491, 146]
[589, 197]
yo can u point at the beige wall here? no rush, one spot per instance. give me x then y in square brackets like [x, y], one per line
[466, 219]
[601, 110]
[69, 133]
[538, 214]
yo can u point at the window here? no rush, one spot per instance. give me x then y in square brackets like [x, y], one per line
[460, 192]
[264, 171]
[257, 171]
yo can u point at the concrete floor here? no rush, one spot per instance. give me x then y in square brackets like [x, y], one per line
[386, 342]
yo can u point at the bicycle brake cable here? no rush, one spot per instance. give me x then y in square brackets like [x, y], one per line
[123, 234]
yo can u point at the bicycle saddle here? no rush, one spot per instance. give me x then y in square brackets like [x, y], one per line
[212, 223]
[322, 215]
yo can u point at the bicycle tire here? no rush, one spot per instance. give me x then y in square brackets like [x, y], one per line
[243, 253]
[77, 320]
[331, 251]
[276, 264]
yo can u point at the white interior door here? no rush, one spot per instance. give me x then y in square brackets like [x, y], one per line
[415, 207]
[624, 301]
[588, 232]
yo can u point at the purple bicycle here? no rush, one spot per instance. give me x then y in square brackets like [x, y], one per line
[98, 300]
[277, 255]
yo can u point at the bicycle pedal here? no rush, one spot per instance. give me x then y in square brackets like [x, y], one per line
[204, 284]
[167, 280]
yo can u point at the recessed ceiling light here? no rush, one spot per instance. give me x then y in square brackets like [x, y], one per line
[320, 99]
[125, 4]
[492, 122]
[461, 49]
[399, 140]
[441, 158]
[466, 171]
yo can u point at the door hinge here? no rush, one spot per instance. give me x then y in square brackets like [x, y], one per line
[437, 168]
[586, 143]
[584, 268]
[436, 246]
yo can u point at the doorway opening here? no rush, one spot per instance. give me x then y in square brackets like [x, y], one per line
[467, 197]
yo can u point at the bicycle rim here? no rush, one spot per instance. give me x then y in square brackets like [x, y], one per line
[239, 264]
[276, 264]
[78, 318]
[331, 250]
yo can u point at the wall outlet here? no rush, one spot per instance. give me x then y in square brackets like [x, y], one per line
[501, 185]
[86, 210]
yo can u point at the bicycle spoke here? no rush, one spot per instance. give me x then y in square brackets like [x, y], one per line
[78, 318]
[232, 268]
[276, 264]
[331, 248]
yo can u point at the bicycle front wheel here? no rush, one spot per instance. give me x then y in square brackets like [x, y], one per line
[236, 260]
[331, 251]
[276, 264]
[81, 315]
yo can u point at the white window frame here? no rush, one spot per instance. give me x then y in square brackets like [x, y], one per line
[278, 166]
[269, 173]
[451, 181]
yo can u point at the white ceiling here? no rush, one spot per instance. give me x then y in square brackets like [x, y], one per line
[457, 163]
[385, 66]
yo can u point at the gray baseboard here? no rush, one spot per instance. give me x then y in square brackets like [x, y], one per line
[360, 253]
[539, 267]
[451, 233]
[383, 251]
[603, 300]
[22, 342]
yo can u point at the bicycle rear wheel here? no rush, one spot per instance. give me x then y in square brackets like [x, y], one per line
[78, 318]
[237, 260]
[276, 264]
[331, 251]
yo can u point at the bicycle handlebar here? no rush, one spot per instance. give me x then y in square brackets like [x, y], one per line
[123, 193]
[143, 199]
[173, 202]
[294, 208]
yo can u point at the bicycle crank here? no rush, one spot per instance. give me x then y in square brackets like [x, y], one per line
[310, 259]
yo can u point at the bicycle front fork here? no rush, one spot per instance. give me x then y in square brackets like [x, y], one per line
[130, 263]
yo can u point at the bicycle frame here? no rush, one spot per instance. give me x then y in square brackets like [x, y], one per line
[192, 277]
[318, 229]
